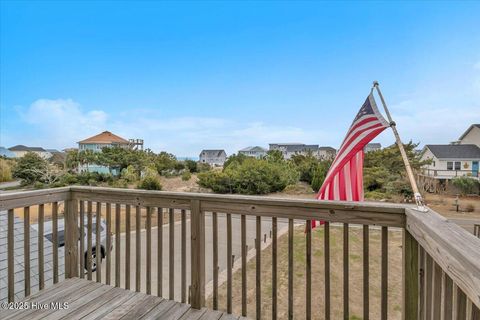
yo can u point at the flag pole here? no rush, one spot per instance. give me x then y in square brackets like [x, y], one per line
[411, 177]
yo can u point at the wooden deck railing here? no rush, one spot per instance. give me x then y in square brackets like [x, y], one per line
[441, 261]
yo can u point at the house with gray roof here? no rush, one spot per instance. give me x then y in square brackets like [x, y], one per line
[451, 160]
[20, 150]
[290, 149]
[214, 157]
[19, 286]
[257, 152]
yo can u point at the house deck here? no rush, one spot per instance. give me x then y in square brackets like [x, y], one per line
[83, 299]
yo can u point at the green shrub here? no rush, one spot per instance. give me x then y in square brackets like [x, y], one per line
[149, 183]
[119, 183]
[191, 165]
[186, 176]
[466, 185]
[30, 168]
[218, 181]
[203, 167]
[129, 174]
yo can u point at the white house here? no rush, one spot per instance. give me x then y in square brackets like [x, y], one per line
[471, 136]
[257, 152]
[213, 157]
[451, 160]
[21, 150]
[327, 152]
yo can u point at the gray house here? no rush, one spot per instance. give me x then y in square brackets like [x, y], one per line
[213, 157]
[290, 149]
[372, 147]
[256, 152]
[18, 259]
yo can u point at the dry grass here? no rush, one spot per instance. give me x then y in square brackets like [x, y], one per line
[356, 276]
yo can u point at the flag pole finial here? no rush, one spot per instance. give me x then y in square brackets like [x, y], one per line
[418, 197]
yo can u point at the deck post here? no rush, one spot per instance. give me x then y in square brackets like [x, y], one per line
[410, 277]
[197, 269]
[71, 238]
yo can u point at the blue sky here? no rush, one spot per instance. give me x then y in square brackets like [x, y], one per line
[191, 75]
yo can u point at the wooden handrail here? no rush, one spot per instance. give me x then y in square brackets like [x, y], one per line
[455, 250]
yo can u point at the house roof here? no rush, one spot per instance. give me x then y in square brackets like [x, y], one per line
[300, 147]
[374, 145]
[213, 152]
[21, 147]
[106, 137]
[256, 148]
[18, 259]
[468, 130]
[327, 148]
[454, 151]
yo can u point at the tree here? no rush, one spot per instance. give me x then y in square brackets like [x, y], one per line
[72, 160]
[467, 185]
[30, 168]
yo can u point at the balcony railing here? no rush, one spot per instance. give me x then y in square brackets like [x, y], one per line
[440, 261]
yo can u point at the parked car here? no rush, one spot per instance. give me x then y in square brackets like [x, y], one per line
[48, 233]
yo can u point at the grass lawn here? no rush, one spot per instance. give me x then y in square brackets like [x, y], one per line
[336, 250]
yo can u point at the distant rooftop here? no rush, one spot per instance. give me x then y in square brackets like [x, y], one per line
[454, 151]
[212, 152]
[256, 148]
[106, 137]
[21, 147]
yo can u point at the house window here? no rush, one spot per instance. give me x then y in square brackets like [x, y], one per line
[457, 165]
[433, 162]
[449, 165]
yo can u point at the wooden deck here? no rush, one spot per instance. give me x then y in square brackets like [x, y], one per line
[91, 300]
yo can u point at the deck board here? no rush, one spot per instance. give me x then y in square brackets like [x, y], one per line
[92, 300]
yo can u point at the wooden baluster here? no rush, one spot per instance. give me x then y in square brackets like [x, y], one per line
[229, 263]
[215, 259]
[274, 268]
[118, 208]
[436, 291]
[410, 276]
[244, 264]
[149, 251]
[447, 294]
[138, 248]
[384, 272]
[41, 275]
[128, 229]
[98, 238]
[366, 278]
[197, 255]
[428, 286]
[258, 278]
[290, 268]
[327, 269]
[346, 282]
[71, 238]
[55, 243]
[308, 271]
[159, 252]
[10, 256]
[184, 256]
[421, 283]
[81, 236]
[26, 249]
[461, 308]
[109, 244]
[89, 240]
[171, 254]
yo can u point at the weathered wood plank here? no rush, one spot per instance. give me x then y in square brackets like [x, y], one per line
[21, 199]
[453, 248]
[26, 249]
[274, 269]
[159, 252]
[128, 232]
[138, 249]
[41, 255]
[98, 238]
[89, 240]
[421, 282]
[327, 268]
[10, 257]
[118, 220]
[447, 295]
[148, 275]
[428, 286]
[215, 259]
[197, 255]
[410, 276]
[108, 272]
[308, 270]
[436, 291]
[82, 241]
[290, 269]
[384, 293]
[229, 263]
[71, 238]
[55, 243]
[366, 277]
[258, 270]
[184, 257]
[171, 254]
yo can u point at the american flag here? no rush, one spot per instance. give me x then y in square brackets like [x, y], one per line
[344, 180]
